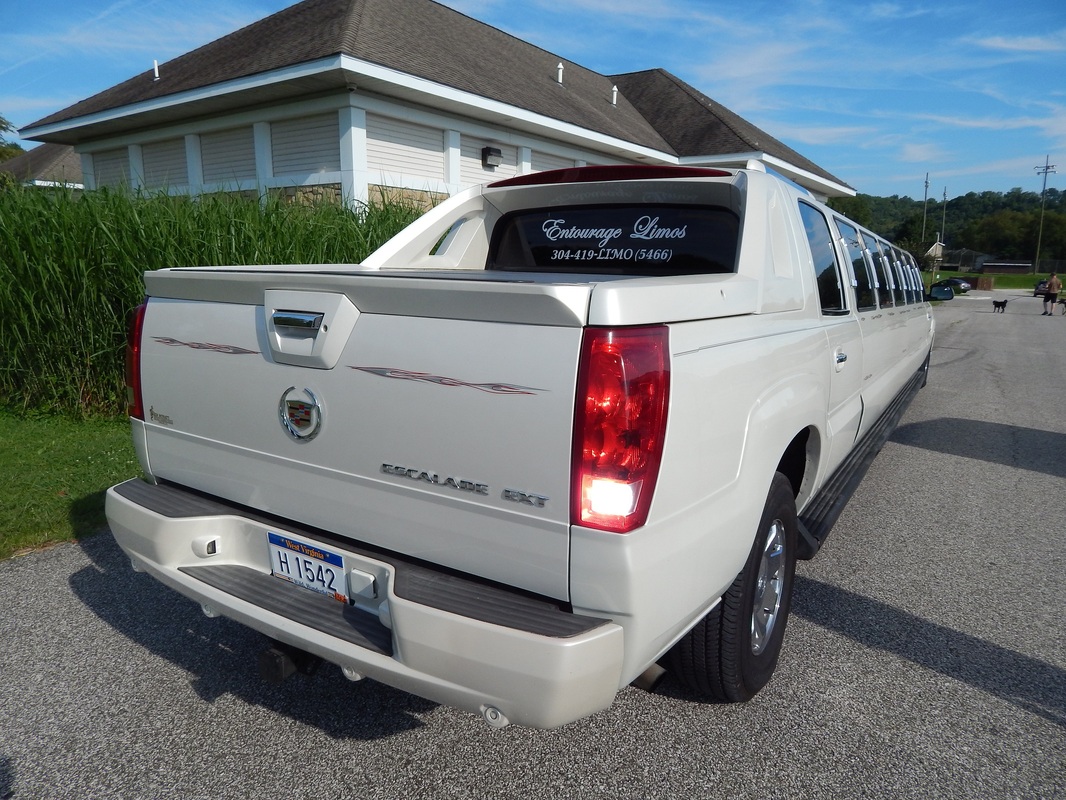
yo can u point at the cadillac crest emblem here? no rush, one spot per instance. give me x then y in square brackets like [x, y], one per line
[300, 414]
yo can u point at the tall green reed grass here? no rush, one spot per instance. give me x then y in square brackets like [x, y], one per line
[71, 268]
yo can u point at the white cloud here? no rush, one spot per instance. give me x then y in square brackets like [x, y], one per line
[924, 153]
[894, 11]
[1022, 166]
[996, 123]
[1048, 43]
[821, 135]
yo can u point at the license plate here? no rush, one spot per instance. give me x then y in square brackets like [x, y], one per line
[308, 565]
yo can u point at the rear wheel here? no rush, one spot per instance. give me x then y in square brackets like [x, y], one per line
[732, 652]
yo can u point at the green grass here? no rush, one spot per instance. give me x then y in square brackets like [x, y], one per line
[55, 471]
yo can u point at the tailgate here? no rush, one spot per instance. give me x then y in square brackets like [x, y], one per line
[347, 402]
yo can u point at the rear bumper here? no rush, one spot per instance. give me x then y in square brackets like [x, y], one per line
[467, 644]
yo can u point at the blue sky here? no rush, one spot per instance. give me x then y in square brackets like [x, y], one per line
[972, 92]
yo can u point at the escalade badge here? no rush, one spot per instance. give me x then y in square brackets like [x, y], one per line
[300, 414]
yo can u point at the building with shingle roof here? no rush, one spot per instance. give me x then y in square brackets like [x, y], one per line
[359, 96]
[46, 165]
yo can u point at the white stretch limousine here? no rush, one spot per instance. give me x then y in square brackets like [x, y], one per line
[563, 431]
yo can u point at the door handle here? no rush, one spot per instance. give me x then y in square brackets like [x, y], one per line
[297, 322]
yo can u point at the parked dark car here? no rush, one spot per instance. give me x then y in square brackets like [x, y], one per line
[1040, 288]
[957, 285]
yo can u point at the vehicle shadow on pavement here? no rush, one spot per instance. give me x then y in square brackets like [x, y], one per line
[7, 778]
[223, 655]
[1013, 446]
[1028, 683]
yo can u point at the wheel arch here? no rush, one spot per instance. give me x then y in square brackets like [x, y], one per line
[799, 462]
[786, 434]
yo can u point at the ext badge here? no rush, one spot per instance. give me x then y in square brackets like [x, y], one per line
[300, 413]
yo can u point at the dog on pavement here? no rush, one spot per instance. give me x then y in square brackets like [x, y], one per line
[999, 306]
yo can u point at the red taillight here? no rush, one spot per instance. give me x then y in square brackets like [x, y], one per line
[134, 404]
[619, 426]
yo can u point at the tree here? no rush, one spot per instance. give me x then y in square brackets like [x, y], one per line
[1053, 243]
[1006, 233]
[8, 149]
[857, 208]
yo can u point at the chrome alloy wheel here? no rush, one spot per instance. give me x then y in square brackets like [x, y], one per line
[767, 600]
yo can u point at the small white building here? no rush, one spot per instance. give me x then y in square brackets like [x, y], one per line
[351, 98]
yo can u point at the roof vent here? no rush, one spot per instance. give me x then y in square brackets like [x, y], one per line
[155, 69]
[559, 75]
[614, 95]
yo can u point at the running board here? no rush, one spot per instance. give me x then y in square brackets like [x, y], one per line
[821, 514]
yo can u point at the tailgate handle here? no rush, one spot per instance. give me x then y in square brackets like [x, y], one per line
[297, 322]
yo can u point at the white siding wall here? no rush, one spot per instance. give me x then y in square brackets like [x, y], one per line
[542, 162]
[111, 167]
[228, 156]
[347, 140]
[470, 169]
[398, 148]
[306, 145]
[164, 164]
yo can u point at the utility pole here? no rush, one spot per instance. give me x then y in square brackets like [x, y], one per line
[944, 216]
[1044, 170]
[925, 206]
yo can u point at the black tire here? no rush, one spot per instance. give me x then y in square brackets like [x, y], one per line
[731, 654]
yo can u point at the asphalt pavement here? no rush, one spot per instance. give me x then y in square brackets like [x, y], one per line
[926, 655]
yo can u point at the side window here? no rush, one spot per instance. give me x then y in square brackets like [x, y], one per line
[884, 288]
[831, 292]
[903, 296]
[908, 280]
[912, 289]
[863, 281]
[916, 274]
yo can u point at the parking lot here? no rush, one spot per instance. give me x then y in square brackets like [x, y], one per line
[926, 655]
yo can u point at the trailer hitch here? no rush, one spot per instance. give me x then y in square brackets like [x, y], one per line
[281, 660]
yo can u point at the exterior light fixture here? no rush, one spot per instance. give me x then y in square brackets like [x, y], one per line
[491, 157]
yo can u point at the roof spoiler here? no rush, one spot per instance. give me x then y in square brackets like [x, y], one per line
[624, 172]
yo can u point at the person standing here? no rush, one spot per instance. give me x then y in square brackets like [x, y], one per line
[1051, 295]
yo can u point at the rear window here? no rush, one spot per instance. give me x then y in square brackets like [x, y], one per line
[617, 240]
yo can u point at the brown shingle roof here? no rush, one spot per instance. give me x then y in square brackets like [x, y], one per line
[415, 37]
[695, 125]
